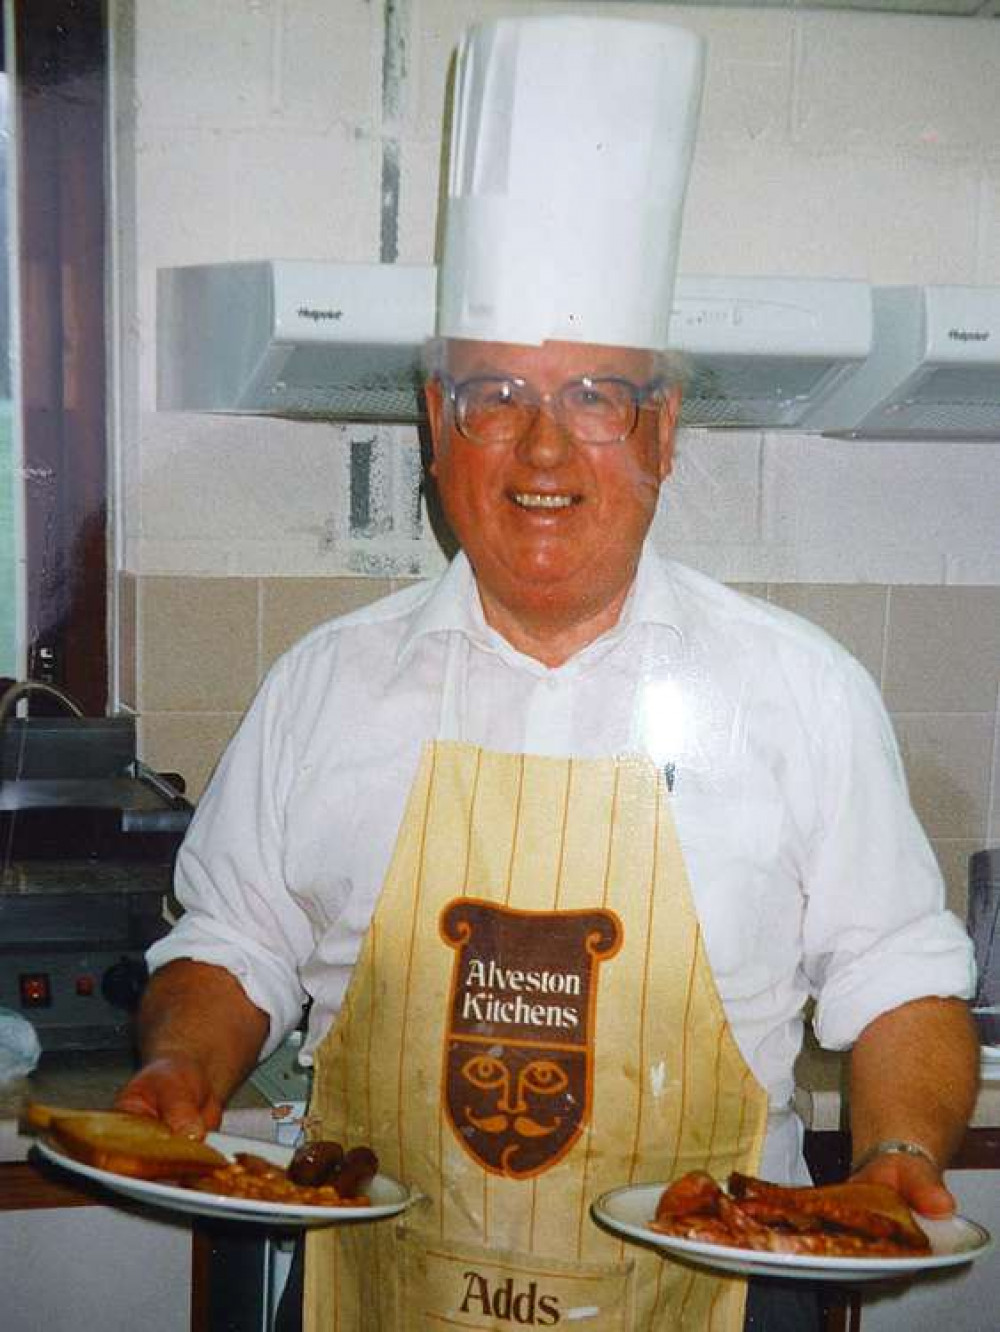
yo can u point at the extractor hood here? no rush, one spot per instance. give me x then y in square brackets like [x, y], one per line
[765, 351]
[343, 341]
[293, 338]
[934, 371]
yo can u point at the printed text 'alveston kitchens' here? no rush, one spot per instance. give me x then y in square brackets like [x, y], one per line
[496, 994]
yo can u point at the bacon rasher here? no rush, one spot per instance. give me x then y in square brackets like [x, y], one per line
[837, 1220]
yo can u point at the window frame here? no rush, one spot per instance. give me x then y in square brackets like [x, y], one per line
[60, 97]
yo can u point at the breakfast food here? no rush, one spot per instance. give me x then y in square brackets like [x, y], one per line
[320, 1173]
[857, 1220]
[326, 1163]
[252, 1177]
[126, 1144]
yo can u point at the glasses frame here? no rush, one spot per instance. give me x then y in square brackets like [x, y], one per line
[640, 395]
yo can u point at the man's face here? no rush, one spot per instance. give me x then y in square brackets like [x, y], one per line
[551, 525]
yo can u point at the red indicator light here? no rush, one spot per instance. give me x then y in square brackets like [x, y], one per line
[85, 985]
[35, 990]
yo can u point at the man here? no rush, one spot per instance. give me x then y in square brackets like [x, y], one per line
[559, 846]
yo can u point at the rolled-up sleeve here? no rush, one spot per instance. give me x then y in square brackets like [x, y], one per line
[229, 875]
[876, 930]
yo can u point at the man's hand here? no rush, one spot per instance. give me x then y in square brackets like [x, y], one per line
[918, 1183]
[174, 1088]
[914, 1075]
[199, 1036]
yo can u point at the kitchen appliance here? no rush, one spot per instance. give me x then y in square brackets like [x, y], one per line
[88, 837]
[984, 927]
[344, 341]
[934, 371]
[984, 922]
[292, 338]
[765, 351]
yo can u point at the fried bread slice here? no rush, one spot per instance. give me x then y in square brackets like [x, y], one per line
[129, 1144]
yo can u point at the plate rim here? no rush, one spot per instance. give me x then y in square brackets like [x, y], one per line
[200, 1203]
[833, 1265]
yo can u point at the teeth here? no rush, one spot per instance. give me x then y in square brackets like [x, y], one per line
[529, 501]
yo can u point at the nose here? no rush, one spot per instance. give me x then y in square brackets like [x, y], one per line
[511, 1100]
[547, 443]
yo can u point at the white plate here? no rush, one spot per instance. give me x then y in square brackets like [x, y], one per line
[388, 1197]
[989, 1054]
[629, 1211]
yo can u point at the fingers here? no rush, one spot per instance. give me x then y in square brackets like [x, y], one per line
[918, 1183]
[176, 1091]
[133, 1101]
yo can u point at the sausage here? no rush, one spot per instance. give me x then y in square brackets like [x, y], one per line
[359, 1168]
[316, 1163]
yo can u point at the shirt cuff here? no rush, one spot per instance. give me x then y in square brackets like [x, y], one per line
[924, 961]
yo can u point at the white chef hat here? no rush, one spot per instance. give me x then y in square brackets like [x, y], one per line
[571, 143]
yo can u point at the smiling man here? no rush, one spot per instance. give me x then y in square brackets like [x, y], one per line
[557, 849]
[549, 461]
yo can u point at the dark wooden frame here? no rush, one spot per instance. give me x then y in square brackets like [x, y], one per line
[61, 98]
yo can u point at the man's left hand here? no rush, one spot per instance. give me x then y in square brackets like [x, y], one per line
[919, 1183]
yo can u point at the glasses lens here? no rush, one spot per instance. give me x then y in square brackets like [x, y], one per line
[599, 411]
[492, 411]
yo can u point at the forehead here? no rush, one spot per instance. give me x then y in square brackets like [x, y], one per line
[546, 363]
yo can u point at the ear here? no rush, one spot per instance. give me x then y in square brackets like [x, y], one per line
[670, 411]
[434, 398]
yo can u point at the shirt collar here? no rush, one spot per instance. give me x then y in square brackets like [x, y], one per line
[454, 606]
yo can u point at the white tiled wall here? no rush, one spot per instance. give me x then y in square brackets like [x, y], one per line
[833, 144]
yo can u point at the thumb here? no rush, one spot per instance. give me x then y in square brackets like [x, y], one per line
[919, 1183]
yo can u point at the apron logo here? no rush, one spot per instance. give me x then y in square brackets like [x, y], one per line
[519, 1040]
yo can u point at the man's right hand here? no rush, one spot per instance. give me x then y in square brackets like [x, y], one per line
[175, 1089]
[199, 1037]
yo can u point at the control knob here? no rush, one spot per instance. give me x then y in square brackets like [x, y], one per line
[123, 983]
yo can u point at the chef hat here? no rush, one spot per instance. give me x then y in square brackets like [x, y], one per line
[570, 148]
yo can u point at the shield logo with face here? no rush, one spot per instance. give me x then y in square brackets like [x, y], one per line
[519, 1038]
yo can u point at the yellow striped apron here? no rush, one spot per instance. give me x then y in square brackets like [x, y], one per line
[532, 1021]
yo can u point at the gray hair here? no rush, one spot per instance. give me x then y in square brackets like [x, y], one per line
[671, 368]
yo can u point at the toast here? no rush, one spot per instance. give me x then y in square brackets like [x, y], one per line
[37, 1116]
[124, 1144]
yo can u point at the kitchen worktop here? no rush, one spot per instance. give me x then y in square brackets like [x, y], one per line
[87, 1079]
[821, 1091]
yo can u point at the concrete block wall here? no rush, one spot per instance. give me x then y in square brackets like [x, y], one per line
[833, 144]
[200, 646]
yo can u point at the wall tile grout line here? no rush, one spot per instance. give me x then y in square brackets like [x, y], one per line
[886, 618]
[993, 789]
[260, 629]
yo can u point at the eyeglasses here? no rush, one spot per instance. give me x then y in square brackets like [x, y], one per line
[502, 409]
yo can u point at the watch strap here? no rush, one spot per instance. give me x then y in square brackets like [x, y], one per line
[893, 1147]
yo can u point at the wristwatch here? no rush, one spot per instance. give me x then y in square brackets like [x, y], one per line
[893, 1147]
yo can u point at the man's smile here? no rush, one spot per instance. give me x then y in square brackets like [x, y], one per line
[533, 500]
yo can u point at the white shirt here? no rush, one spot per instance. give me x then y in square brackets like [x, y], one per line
[810, 873]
